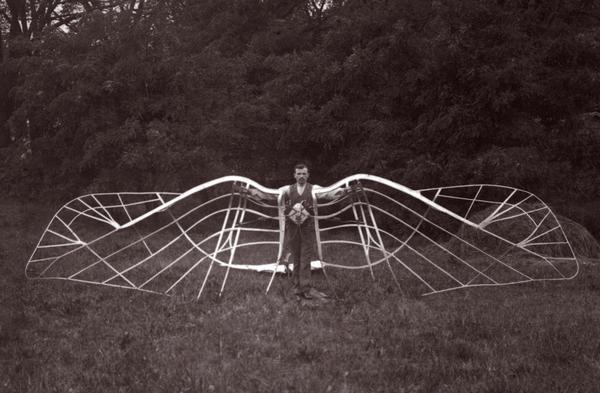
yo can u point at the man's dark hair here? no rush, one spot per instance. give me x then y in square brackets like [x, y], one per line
[300, 166]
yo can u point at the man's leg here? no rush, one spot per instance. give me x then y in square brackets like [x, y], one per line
[293, 243]
[307, 254]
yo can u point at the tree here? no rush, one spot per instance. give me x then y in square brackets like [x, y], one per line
[23, 22]
[167, 94]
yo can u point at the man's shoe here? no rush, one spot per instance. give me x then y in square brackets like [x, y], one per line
[304, 296]
[317, 294]
[300, 294]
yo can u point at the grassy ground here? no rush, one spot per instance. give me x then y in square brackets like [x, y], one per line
[66, 337]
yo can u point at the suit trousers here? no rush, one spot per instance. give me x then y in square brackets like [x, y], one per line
[301, 242]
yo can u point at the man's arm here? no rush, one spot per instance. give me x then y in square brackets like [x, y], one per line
[334, 194]
[255, 193]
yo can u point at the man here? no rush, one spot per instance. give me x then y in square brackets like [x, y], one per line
[300, 235]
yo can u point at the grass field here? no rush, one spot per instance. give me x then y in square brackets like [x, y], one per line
[60, 336]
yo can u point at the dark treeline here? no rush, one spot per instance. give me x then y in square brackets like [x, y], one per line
[163, 95]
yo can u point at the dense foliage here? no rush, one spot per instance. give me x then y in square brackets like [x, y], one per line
[167, 94]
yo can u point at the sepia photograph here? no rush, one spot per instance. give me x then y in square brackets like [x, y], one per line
[336, 196]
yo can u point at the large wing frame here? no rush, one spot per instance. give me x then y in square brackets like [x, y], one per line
[443, 238]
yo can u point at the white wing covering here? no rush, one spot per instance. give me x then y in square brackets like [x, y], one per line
[424, 241]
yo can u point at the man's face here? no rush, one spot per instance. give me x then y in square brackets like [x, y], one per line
[301, 175]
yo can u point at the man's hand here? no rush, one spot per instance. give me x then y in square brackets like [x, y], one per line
[243, 190]
[239, 189]
[298, 214]
[351, 189]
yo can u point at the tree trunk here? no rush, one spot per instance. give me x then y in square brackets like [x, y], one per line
[4, 109]
[2, 49]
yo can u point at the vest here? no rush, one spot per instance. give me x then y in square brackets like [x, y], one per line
[292, 197]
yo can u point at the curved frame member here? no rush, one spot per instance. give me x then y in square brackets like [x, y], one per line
[228, 237]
